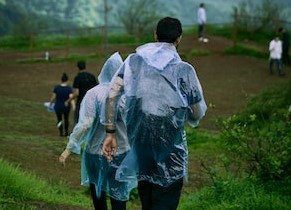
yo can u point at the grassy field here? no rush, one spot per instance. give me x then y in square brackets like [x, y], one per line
[31, 176]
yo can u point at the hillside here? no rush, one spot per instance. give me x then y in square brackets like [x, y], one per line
[228, 81]
[63, 14]
[30, 138]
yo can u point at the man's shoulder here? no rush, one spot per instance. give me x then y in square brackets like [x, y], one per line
[86, 74]
[185, 68]
[185, 64]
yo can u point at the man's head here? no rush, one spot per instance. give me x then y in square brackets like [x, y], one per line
[281, 29]
[201, 5]
[81, 65]
[168, 30]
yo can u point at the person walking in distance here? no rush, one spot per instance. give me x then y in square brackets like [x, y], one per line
[61, 94]
[201, 19]
[96, 171]
[82, 83]
[162, 93]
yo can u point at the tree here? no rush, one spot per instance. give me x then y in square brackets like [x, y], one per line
[255, 17]
[138, 16]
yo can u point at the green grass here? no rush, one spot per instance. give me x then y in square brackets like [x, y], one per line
[261, 37]
[240, 49]
[20, 189]
[42, 42]
[84, 38]
[22, 117]
[70, 58]
[23, 190]
[233, 194]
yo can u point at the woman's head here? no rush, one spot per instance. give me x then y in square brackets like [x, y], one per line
[64, 77]
[168, 30]
[109, 68]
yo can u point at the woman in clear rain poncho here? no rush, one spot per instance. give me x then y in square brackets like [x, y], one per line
[95, 169]
[162, 92]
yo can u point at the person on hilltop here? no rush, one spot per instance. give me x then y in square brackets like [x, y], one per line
[201, 19]
[275, 49]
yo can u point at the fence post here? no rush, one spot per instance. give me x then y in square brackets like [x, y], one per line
[31, 43]
[234, 32]
[138, 32]
[276, 23]
[68, 43]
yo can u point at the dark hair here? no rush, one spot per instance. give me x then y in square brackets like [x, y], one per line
[168, 30]
[202, 5]
[81, 65]
[64, 77]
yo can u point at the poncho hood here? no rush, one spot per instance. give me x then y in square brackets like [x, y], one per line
[109, 68]
[158, 54]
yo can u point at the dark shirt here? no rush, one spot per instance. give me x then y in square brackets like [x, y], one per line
[84, 81]
[62, 94]
[285, 40]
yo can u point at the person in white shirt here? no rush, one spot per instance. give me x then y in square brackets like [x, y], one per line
[275, 48]
[201, 19]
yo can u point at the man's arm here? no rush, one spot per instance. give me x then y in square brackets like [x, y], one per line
[87, 116]
[196, 112]
[73, 96]
[110, 145]
[53, 98]
[197, 105]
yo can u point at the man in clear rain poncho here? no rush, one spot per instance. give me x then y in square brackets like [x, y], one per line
[162, 92]
[95, 169]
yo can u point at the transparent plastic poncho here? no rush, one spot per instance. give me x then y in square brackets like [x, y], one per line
[90, 133]
[160, 91]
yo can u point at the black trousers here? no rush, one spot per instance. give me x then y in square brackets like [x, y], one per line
[156, 197]
[100, 203]
[60, 116]
[278, 64]
[200, 30]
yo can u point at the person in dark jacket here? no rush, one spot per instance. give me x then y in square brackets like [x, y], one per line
[285, 46]
[82, 83]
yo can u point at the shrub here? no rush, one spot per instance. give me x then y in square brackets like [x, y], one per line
[258, 139]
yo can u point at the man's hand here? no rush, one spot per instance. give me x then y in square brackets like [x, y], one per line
[67, 103]
[66, 153]
[109, 146]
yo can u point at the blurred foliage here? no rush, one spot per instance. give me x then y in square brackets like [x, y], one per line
[254, 16]
[139, 16]
[240, 49]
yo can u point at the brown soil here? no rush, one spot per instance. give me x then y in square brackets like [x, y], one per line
[227, 81]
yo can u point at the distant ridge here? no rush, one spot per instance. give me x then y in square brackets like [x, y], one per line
[90, 13]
